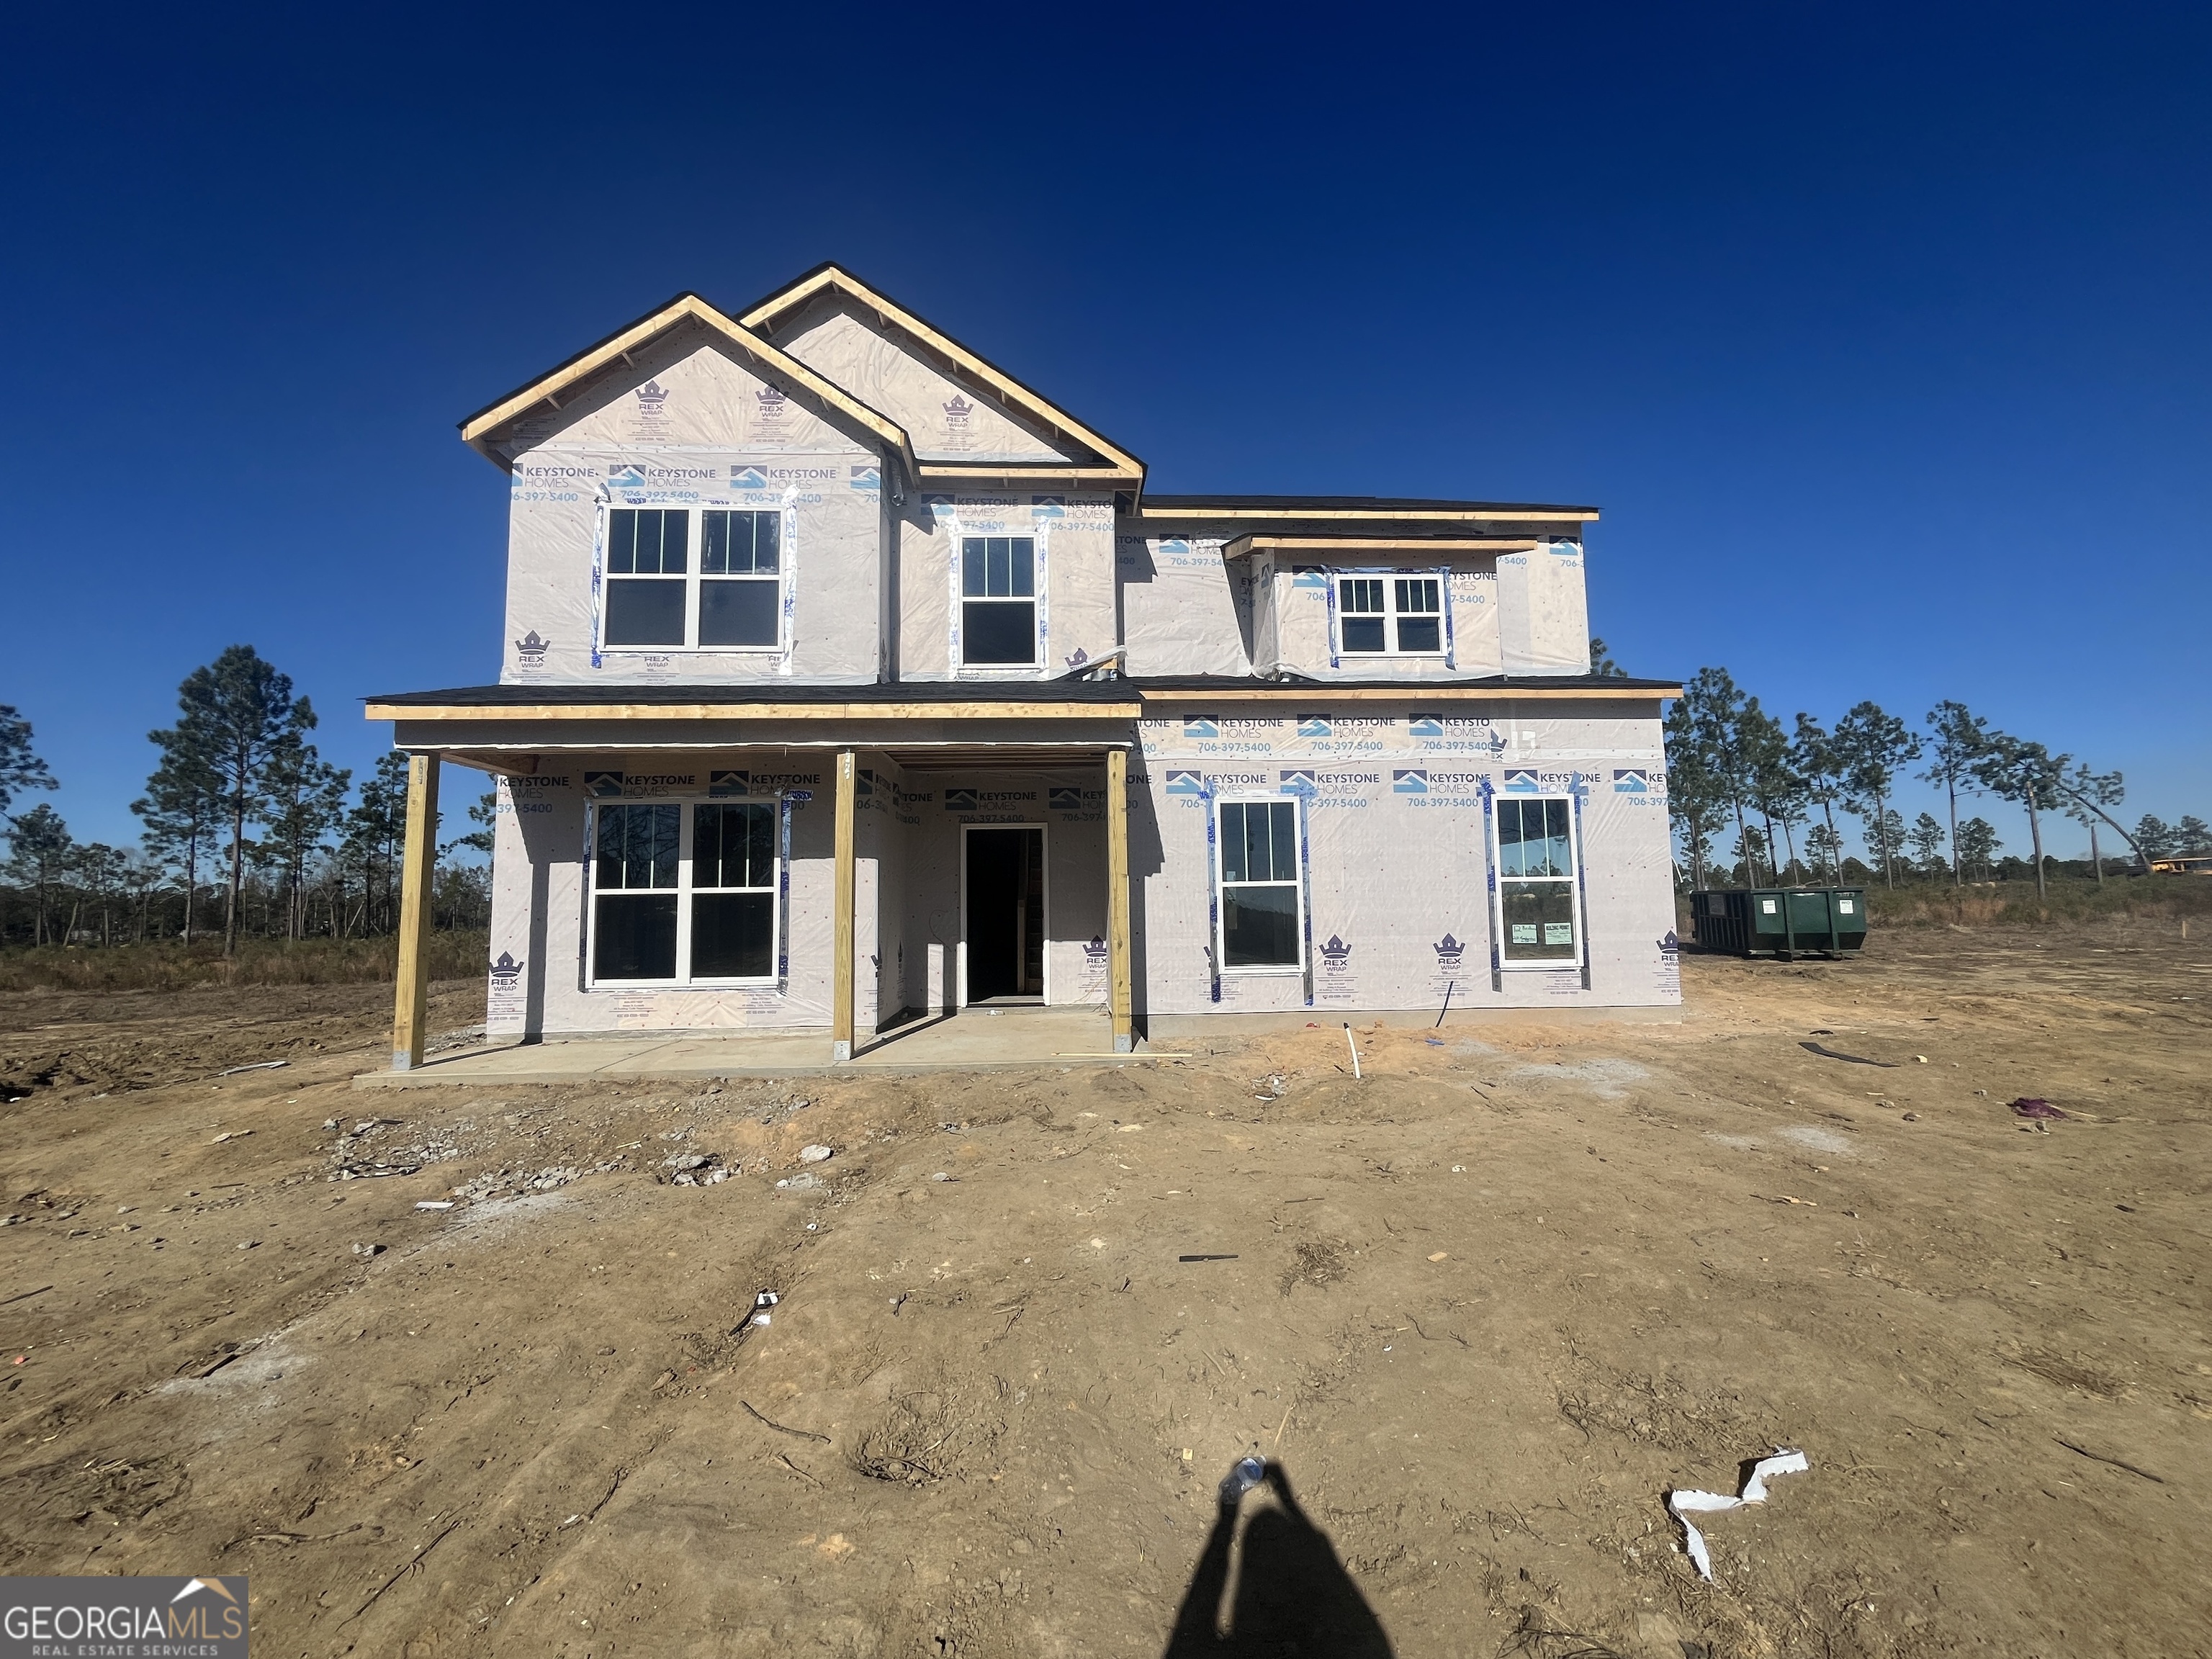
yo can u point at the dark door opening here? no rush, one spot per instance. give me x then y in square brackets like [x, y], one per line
[1006, 915]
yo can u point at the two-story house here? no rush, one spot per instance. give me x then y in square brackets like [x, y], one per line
[847, 677]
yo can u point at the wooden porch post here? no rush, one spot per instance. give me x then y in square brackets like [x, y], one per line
[1117, 900]
[841, 1015]
[418, 863]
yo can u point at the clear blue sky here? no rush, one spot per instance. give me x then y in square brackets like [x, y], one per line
[1880, 335]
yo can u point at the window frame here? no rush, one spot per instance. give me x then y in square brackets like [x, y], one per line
[685, 890]
[695, 576]
[1572, 881]
[1393, 612]
[1034, 599]
[1296, 968]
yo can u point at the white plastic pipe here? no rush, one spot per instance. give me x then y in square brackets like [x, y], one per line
[1354, 1047]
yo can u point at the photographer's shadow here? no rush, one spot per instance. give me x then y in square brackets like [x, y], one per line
[1276, 1588]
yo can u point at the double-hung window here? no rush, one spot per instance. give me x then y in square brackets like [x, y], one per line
[1262, 919]
[1539, 898]
[1389, 616]
[998, 601]
[684, 893]
[685, 578]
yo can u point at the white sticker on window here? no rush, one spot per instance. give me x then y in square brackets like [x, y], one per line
[1559, 933]
[1524, 932]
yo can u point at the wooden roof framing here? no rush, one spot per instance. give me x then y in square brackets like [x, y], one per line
[962, 364]
[478, 430]
[1319, 541]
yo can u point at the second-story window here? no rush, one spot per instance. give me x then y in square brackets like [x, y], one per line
[678, 578]
[998, 601]
[1389, 616]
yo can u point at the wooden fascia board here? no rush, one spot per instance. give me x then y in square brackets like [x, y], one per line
[1253, 542]
[984, 472]
[889, 311]
[1040, 710]
[1364, 515]
[691, 308]
[1415, 691]
[499, 765]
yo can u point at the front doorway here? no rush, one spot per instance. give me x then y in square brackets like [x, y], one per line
[1003, 957]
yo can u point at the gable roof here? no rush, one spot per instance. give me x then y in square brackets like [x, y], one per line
[477, 430]
[957, 361]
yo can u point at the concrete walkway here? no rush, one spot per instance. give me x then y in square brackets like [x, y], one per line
[975, 1040]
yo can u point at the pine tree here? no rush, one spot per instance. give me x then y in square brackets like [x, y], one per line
[237, 715]
[20, 769]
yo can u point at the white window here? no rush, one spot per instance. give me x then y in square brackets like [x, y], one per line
[998, 601]
[1389, 616]
[681, 579]
[1263, 907]
[1539, 896]
[684, 893]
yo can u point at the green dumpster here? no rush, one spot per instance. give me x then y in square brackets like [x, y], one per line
[1787, 922]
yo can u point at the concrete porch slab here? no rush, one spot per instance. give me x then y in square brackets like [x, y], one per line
[976, 1039]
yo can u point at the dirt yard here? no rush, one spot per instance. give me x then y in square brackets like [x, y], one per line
[1482, 1309]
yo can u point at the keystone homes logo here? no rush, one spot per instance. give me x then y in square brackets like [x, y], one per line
[864, 782]
[634, 474]
[733, 782]
[1299, 780]
[603, 783]
[531, 649]
[1449, 951]
[538, 472]
[1445, 725]
[1309, 577]
[957, 799]
[1314, 727]
[866, 477]
[1200, 727]
[505, 970]
[1521, 783]
[1047, 506]
[1063, 797]
[1632, 780]
[127, 1617]
[1409, 780]
[1183, 783]
[748, 477]
[1335, 955]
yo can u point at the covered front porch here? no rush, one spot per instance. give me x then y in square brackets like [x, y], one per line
[767, 887]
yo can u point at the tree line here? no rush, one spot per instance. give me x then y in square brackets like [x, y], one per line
[1730, 763]
[289, 846]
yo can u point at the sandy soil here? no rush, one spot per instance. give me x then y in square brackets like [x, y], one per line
[1483, 1309]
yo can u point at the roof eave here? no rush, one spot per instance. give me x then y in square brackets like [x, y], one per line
[478, 430]
[796, 294]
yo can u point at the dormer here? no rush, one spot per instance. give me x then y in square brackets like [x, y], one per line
[1362, 588]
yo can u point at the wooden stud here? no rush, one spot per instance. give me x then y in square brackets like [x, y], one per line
[1119, 992]
[841, 1014]
[418, 862]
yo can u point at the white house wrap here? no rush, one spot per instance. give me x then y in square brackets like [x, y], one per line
[1361, 760]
